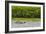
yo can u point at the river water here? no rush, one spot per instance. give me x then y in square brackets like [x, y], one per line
[15, 24]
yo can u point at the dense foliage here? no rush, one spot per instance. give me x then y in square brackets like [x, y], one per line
[26, 12]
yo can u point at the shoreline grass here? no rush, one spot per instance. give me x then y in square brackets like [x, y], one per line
[27, 19]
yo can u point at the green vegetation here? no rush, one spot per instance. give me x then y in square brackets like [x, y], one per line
[26, 19]
[25, 12]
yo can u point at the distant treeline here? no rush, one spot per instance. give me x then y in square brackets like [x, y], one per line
[25, 12]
